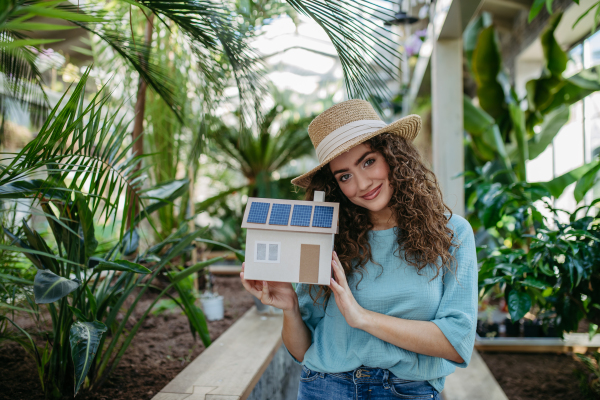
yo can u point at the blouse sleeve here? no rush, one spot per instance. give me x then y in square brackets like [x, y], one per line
[310, 312]
[457, 314]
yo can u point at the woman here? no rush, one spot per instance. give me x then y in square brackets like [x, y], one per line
[400, 312]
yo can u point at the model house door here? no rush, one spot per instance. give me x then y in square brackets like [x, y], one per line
[309, 263]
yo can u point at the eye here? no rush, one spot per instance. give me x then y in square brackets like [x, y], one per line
[345, 177]
[369, 162]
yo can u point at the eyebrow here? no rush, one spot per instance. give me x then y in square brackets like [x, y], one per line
[357, 162]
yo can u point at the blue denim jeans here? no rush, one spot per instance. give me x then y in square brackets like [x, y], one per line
[362, 384]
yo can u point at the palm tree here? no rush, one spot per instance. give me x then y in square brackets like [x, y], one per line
[260, 156]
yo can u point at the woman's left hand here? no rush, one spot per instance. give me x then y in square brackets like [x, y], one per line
[354, 314]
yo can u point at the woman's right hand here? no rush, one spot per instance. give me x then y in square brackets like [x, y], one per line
[277, 294]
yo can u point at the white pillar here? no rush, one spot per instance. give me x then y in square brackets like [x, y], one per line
[447, 120]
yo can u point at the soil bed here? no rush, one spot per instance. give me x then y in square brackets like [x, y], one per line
[156, 355]
[535, 376]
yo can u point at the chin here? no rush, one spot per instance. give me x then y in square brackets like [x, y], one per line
[374, 206]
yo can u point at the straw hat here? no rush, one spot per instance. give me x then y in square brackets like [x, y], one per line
[346, 125]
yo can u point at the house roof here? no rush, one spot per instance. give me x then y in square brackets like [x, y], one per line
[291, 215]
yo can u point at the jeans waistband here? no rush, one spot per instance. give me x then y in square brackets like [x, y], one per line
[369, 375]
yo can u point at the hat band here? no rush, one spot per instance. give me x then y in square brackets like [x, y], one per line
[346, 133]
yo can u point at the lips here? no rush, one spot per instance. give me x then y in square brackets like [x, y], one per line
[373, 193]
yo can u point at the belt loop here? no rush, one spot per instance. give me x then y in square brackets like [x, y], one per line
[386, 376]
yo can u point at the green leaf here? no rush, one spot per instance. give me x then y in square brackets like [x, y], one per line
[130, 243]
[194, 313]
[77, 312]
[471, 35]
[487, 67]
[535, 283]
[36, 26]
[49, 287]
[28, 188]
[30, 253]
[557, 185]
[536, 7]
[518, 120]
[15, 279]
[44, 11]
[161, 195]
[553, 123]
[519, 304]
[121, 265]
[556, 58]
[586, 182]
[85, 339]
[582, 16]
[86, 221]
[15, 44]
[15, 308]
[592, 331]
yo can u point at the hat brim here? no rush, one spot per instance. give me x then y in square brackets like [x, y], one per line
[407, 127]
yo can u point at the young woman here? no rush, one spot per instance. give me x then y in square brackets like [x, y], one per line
[400, 312]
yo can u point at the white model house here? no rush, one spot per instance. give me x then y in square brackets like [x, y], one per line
[290, 240]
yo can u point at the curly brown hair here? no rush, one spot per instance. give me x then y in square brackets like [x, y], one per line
[416, 203]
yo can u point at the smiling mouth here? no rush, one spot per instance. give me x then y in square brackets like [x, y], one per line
[373, 193]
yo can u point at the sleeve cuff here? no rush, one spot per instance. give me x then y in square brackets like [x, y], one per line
[293, 358]
[462, 344]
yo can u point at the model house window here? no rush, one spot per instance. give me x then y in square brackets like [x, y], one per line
[267, 252]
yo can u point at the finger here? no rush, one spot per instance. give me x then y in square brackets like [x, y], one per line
[243, 266]
[266, 295]
[334, 289]
[336, 258]
[337, 289]
[250, 286]
[340, 275]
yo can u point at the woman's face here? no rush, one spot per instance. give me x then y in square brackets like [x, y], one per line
[363, 176]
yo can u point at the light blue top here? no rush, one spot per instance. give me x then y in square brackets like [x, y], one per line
[395, 289]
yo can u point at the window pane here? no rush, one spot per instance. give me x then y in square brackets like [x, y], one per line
[261, 251]
[591, 49]
[273, 252]
[575, 63]
[568, 144]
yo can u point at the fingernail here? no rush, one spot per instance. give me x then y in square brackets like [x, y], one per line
[335, 253]
[334, 263]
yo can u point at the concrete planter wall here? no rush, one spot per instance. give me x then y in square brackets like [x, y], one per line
[248, 361]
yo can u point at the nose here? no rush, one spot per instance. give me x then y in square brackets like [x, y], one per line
[363, 182]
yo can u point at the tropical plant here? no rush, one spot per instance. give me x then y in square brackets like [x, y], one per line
[255, 164]
[508, 130]
[258, 156]
[78, 170]
[207, 26]
[538, 5]
[555, 275]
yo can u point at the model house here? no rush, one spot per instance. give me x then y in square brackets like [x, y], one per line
[290, 240]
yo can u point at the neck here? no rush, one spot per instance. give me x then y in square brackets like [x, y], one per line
[382, 219]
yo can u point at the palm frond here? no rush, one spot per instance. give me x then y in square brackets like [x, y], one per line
[367, 50]
[211, 29]
[81, 150]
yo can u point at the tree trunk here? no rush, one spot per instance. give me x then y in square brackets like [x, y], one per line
[138, 123]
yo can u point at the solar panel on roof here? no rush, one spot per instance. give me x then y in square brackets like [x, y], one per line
[280, 215]
[323, 217]
[258, 212]
[301, 215]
